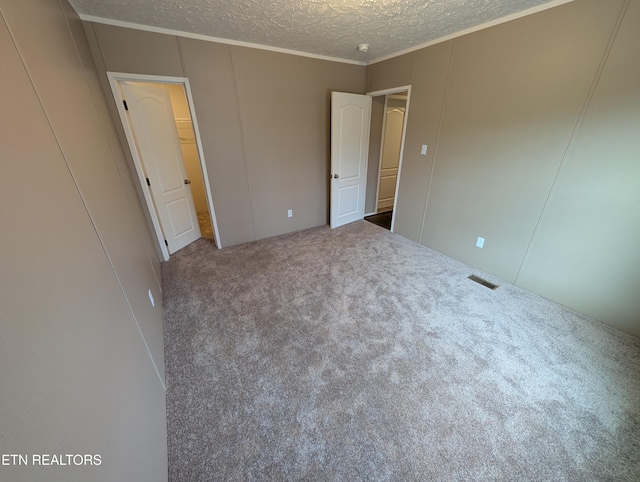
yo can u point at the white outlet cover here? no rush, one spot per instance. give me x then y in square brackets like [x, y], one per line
[153, 302]
[290, 213]
[480, 242]
[423, 151]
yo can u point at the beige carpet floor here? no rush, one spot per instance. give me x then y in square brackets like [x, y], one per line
[355, 354]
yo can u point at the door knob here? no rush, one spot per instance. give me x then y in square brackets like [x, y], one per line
[186, 181]
[336, 176]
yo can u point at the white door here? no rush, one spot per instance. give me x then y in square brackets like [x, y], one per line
[156, 136]
[391, 143]
[350, 118]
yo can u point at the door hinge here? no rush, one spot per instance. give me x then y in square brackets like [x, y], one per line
[126, 107]
[165, 242]
[148, 182]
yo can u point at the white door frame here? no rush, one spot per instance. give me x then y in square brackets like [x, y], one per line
[114, 79]
[378, 93]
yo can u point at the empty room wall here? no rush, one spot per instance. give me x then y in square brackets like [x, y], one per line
[81, 348]
[263, 120]
[589, 233]
[532, 132]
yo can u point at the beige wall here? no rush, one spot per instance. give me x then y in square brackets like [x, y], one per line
[523, 152]
[263, 120]
[585, 250]
[81, 348]
[391, 73]
[429, 81]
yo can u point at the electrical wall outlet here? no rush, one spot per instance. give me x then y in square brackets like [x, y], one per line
[423, 151]
[480, 242]
[290, 213]
[153, 302]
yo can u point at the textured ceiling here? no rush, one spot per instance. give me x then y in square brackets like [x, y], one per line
[332, 28]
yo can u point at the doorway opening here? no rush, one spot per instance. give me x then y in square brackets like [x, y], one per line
[159, 121]
[388, 125]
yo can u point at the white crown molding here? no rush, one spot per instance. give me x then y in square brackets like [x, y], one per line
[508, 18]
[207, 38]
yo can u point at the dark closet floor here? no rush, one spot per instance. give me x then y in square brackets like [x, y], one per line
[381, 219]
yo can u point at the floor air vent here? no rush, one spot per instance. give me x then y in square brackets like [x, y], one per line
[483, 282]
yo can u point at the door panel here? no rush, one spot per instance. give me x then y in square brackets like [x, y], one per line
[350, 118]
[387, 189]
[180, 224]
[154, 129]
[348, 200]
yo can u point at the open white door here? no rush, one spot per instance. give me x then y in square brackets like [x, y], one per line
[157, 142]
[350, 119]
[390, 158]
